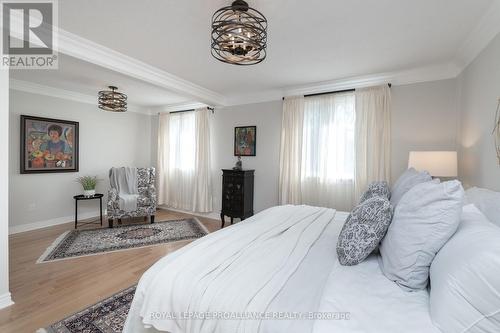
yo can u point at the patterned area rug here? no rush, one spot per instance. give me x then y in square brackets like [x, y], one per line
[107, 316]
[79, 243]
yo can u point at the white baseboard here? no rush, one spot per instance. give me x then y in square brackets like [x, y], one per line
[5, 300]
[211, 215]
[49, 223]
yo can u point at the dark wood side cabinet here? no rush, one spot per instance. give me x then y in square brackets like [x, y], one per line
[237, 194]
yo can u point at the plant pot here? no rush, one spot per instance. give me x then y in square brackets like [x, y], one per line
[88, 193]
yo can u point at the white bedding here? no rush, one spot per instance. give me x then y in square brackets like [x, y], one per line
[258, 279]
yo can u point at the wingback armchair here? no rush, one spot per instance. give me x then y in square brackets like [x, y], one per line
[146, 203]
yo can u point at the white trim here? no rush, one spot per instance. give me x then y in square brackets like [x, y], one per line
[87, 50]
[6, 300]
[179, 107]
[50, 223]
[211, 215]
[404, 77]
[44, 90]
[416, 75]
[487, 28]
[92, 52]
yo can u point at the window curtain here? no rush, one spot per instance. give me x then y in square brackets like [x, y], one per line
[184, 180]
[332, 146]
[291, 151]
[373, 136]
[327, 175]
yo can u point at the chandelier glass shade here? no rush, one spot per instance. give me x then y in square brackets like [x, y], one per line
[239, 34]
[112, 100]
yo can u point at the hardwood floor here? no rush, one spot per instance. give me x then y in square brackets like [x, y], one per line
[48, 292]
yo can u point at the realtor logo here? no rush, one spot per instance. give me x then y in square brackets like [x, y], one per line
[28, 34]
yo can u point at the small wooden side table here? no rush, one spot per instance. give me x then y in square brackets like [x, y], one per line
[82, 197]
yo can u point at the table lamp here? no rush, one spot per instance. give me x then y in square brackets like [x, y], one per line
[437, 163]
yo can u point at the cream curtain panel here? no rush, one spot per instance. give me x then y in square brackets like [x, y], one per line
[184, 180]
[373, 136]
[332, 146]
[291, 151]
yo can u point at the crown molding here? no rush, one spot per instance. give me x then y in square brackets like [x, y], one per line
[484, 32]
[44, 90]
[178, 107]
[404, 77]
[87, 50]
[84, 49]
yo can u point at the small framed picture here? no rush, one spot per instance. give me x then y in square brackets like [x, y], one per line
[48, 145]
[245, 139]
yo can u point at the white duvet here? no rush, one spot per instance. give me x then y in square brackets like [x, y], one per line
[281, 263]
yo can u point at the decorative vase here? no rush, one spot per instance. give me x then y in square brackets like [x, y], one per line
[88, 193]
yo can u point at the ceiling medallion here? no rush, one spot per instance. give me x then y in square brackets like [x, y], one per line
[112, 100]
[239, 34]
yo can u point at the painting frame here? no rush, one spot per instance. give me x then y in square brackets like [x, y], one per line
[25, 167]
[238, 131]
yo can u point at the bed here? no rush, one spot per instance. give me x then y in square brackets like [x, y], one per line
[275, 272]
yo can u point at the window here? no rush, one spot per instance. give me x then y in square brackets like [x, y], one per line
[333, 146]
[328, 151]
[184, 176]
[182, 142]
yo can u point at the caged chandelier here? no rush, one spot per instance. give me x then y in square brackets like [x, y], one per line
[112, 100]
[239, 34]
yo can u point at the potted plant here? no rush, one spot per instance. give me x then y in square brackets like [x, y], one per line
[88, 183]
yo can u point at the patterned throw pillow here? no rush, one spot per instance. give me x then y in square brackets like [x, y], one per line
[363, 230]
[376, 189]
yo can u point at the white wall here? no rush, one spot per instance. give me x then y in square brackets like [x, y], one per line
[106, 139]
[424, 117]
[479, 86]
[267, 118]
[5, 298]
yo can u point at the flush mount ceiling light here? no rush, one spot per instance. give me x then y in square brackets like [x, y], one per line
[239, 34]
[112, 100]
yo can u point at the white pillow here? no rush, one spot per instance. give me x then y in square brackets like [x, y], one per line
[423, 221]
[405, 182]
[465, 277]
[487, 201]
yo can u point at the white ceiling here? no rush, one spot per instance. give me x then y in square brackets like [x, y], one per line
[310, 42]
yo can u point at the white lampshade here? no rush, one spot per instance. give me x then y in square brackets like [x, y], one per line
[437, 163]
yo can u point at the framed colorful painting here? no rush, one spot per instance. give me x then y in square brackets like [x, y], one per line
[245, 139]
[48, 145]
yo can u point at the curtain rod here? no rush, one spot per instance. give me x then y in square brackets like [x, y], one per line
[208, 108]
[335, 92]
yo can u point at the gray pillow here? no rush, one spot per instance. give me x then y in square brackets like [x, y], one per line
[363, 230]
[425, 218]
[408, 179]
[376, 189]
